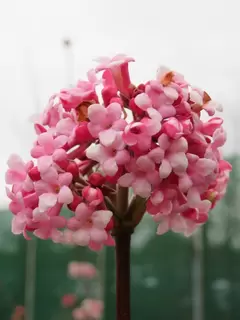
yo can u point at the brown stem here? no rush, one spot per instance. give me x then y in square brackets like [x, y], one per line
[122, 200]
[123, 241]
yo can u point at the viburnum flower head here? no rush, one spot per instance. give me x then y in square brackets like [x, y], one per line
[149, 137]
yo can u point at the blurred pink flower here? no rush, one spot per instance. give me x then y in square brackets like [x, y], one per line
[68, 300]
[81, 270]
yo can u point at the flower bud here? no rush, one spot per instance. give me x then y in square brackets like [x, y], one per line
[34, 174]
[73, 169]
[173, 128]
[96, 179]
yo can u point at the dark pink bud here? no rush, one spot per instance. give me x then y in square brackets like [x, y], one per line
[141, 87]
[96, 179]
[73, 169]
[135, 108]
[76, 201]
[117, 100]
[39, 128]
[82, 134]
[110, 225]
[60, 158]
[187, 126]
[34, 174]
[93, 196]
[108, 93]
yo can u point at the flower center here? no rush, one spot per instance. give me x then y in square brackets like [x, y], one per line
[167, 79]
[82, 110]
[89, 222]
[136, 130]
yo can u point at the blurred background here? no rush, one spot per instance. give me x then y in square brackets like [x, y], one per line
[49, 44]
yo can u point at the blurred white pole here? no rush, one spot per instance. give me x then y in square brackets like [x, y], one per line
[69, 61]
[197, 277]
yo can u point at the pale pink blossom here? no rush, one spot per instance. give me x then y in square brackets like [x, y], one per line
[118, 66]
[56, 192]
[84, 91]
[109, 158]
[18, 172]
[81, 269]
[47, 144]
[105, 123]
[91, 227]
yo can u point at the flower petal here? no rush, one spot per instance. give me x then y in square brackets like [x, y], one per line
[126, 180]
[110, 167]
[145, 164]
[101, 218]
[46, 201]
[143, 101]
[98, 235]
[193, 198]
[60, 141]
[157, 197]
[97, 113]
[107, 137]
[179, 162]
[50, 176]
[81, 237]
[65, 178]
[44, 163]
[142, 188]
[165, 169]
[163, 227]
[15, 162]
[65, 195]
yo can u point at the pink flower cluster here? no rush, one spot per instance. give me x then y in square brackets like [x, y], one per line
[148, 137]
[89, 308]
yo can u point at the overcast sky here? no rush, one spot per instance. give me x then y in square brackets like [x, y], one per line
[197, 38]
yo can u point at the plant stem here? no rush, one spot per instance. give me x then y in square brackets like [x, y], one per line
[123, 241]
[122, 200]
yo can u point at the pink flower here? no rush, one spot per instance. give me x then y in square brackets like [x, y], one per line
[18, 172]
[91, 227]
[47, 144]
[51, 115]
[109, 158]
[175, 156]
[92, 196]
[173, 128]
[47, 223]
[21, 199]
[118, 66]
[159, 98]
[142, 176]
[176, 223]
[93, 308]
[81, 269]
[84, 91]
[140, 134]
[56, 192]
[79, 314]
[20, 221]
[105, 123]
